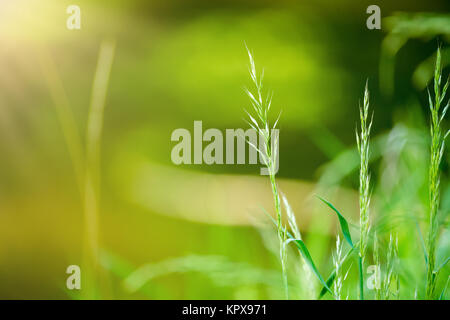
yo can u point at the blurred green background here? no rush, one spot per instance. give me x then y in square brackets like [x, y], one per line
[198, 231]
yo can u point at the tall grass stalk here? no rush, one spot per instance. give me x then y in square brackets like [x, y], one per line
[92, 174]
[437, 150]
[362, 139]
[267, 150]
[86, 164]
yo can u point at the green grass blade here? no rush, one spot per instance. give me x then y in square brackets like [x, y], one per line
[342, 222]
[329, 283]
[301, 246]
[305, 253]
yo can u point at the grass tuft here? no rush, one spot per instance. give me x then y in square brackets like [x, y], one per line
[436, 153]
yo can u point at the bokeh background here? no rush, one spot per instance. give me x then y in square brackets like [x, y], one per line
[162, 231]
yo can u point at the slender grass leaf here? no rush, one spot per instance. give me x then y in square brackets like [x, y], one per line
[305, 253]
[342, 222]
[329, 283]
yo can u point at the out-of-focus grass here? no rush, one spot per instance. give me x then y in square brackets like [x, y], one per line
[172, 66]
[403, 27]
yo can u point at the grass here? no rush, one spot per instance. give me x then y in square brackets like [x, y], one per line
[340, 284]
[92, 174]
[338, 265]
[86, 164]
[362, 139]
[387, 269]
[267, 150]
[436, 153]
[260, 123]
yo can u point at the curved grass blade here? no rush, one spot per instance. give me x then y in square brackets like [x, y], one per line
[329, 283]
[342, 222]
[305, 253]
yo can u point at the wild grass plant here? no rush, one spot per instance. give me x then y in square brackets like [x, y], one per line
[362, 140]
[387, 262]
[375, 244]
[260, 124]
[436, 153]
[267, 150]
[340, 283]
